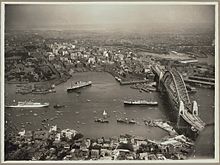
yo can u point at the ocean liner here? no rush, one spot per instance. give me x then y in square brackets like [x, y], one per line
[79, 84]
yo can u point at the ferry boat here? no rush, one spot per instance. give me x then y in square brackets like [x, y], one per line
[58, 106]
[79, 84]
[126, 121]
[100, 120]
[28, 104]
[191, 89]
[140, 102]
[118, 79]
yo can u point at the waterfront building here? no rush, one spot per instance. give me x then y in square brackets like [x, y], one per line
[68, 133]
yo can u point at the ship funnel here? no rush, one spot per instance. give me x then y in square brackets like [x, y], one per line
[195, 108]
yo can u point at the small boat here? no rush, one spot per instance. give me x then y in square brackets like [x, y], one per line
[120, 120]
[118, 79]
[105, 114]
[126, 121]
[140, 102]
[191, 89]
[132, 121]
[58, 106]
[149, 123]
[101, 120]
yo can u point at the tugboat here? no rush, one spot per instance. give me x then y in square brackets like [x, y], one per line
[126, 121]
[118, 79]
[58, 106]
[79, 84]
[28, 104]
[191, 89]
[132, 121]
[100, 120]
[120, 120]
[140, 102]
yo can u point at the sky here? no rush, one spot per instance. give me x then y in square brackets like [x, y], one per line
[114, 15]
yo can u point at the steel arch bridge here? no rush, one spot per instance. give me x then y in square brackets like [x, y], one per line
[172, 83]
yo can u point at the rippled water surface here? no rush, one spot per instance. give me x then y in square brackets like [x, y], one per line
[106, 94]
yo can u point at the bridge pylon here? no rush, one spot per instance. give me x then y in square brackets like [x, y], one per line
[195, 109]
[181, 112]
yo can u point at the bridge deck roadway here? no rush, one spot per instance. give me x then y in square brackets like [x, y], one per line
[194, 121]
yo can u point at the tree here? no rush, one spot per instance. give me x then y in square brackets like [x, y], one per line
[127, 146]
[78, 136]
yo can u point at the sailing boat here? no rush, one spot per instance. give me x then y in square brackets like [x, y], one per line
[104, 114]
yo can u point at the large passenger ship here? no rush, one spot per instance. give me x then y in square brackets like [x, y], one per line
[28, 104]
[79, 84]
[140, 102]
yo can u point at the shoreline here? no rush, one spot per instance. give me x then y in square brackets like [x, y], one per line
[135, 147]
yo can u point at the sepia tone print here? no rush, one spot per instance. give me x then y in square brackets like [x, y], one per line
[109, 81]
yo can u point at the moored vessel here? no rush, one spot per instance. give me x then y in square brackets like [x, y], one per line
[100, 120]
[79, 84]
[140, 102]
[58, 106]
[126, 121]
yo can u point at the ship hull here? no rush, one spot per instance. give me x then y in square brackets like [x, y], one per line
[140, 104]
[27, 106]
[78, 87]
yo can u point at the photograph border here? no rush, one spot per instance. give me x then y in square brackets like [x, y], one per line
[216, 122]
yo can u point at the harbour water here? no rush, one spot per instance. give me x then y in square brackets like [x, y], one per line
[106, 94]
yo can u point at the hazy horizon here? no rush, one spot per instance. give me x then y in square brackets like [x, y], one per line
[101, 16]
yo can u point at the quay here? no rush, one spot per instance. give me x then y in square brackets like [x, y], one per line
[207, 79]
[163, 125]
[130, 82]
[190, 81]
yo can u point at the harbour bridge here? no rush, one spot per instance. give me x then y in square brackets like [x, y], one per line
[171, 83]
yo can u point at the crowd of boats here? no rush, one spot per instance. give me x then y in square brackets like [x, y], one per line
[165, 125]
[104, 119]
[81, 84]
[76, 85]
[31, 104]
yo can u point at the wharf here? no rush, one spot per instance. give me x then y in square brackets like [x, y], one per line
[132, 82]
[163, 125]
[199, 82]
[199, 78]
